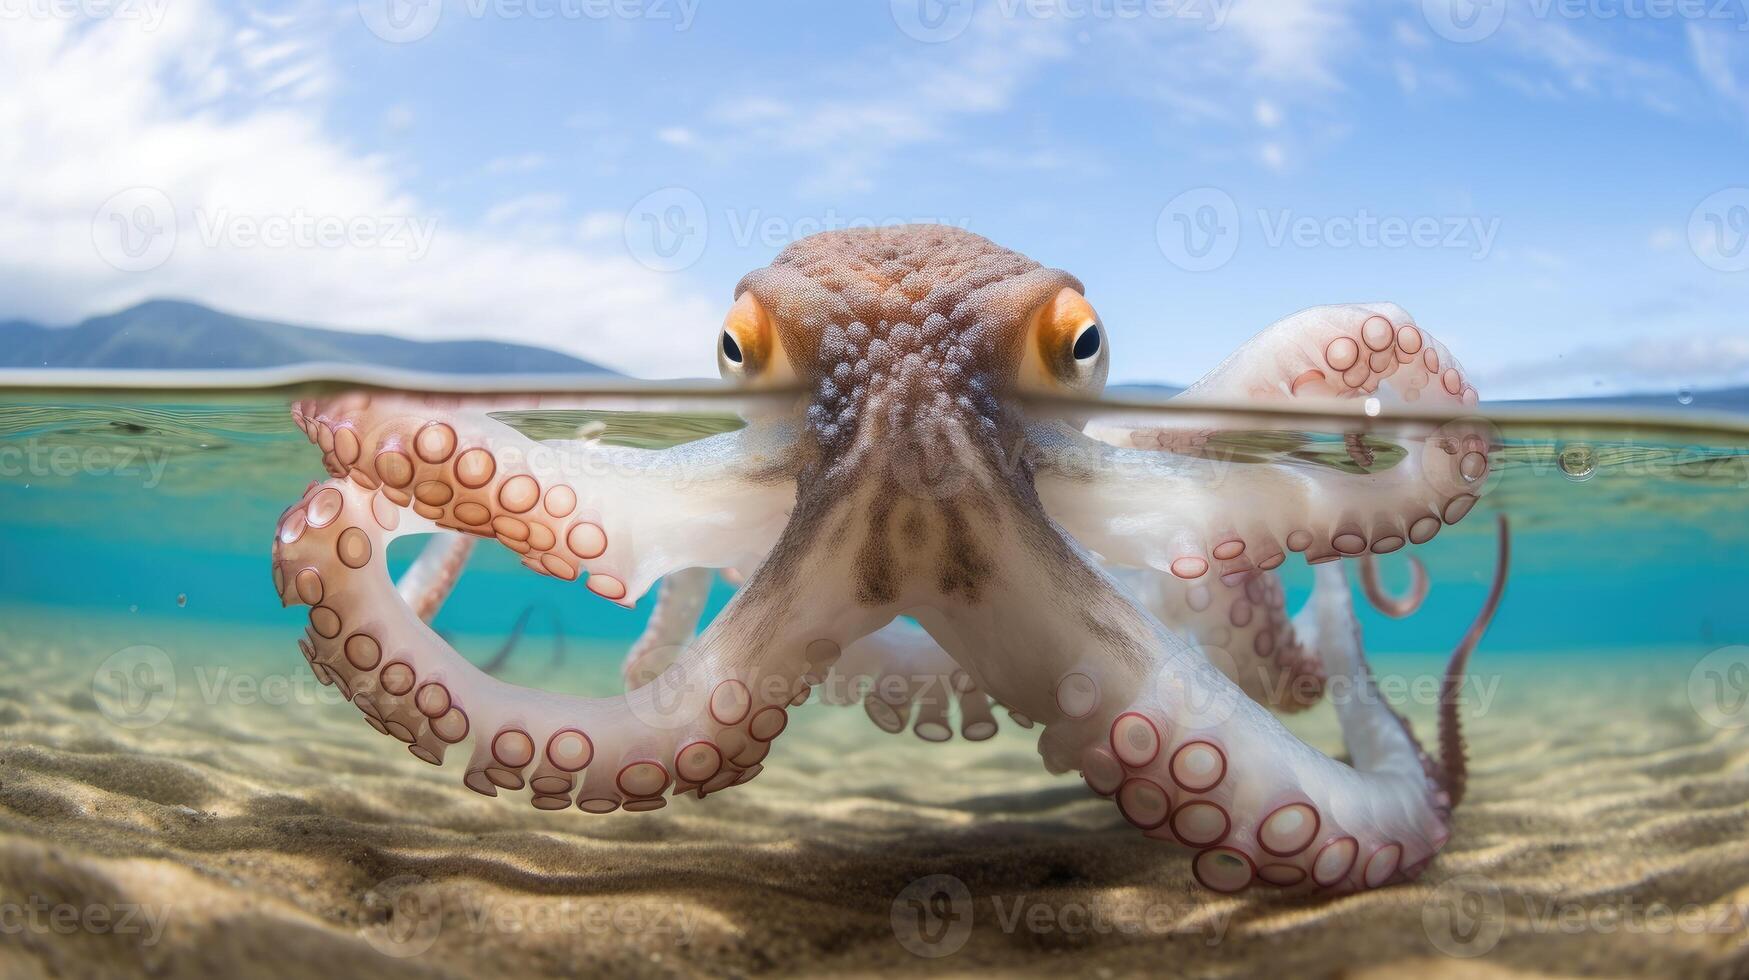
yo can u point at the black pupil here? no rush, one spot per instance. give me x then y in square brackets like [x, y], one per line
[731, 350]
[1087, 344]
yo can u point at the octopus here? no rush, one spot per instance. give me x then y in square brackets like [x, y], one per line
[922, 518]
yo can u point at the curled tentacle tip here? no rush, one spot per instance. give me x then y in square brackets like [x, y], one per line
[1394, 606]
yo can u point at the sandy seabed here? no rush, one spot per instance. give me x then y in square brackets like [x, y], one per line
[262, 829]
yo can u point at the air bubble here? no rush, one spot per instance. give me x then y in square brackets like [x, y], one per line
[1685, 395]
[1578, 461]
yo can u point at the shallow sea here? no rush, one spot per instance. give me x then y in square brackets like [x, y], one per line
[241, 815]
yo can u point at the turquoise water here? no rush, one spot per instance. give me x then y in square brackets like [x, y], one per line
[1605, 729]
[1630, 534]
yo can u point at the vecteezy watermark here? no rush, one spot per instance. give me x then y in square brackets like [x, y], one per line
[406, 21]
[407, 914]
[36, 459]
[139, 687]
[1468, 21]
[1201, 230]
[135, 230]
[667, 230]
[135, 687]
[1467, 916]
[1718, 230]
[147, 13]
[224, 228]
[932, 917]
[138, 229]
[1198, 231]
[1718, 687]
[38, 916]
[936, 21]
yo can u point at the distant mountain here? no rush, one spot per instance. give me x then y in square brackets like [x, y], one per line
[166, 334]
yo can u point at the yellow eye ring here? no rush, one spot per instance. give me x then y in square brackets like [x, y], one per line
[1065, 349]
[749, 349]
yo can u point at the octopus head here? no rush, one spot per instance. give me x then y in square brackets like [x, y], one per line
[911, 343]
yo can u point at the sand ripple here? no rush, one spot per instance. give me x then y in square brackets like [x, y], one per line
[290, 840]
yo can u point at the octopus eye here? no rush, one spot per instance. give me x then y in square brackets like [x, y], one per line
[749, 350]
[1064, 348]
[1087, 345]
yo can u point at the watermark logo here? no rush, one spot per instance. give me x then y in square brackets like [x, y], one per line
[932, 916]
[1465, 916]
[1198, 231]
[135, 687]
[674, 698]
[666, 230]
[1718, 688]
[138, 230]
[1201, 230]
[401, 21]
[148, 13]
[41, 459]
[933, 21]
[37, 916]
[135, 230]
[408, 916]
[1464, 21]
[1718, 230]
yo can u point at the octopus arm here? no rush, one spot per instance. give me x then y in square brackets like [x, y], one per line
[705, 724]
[623, 517]
[680, 602]
[1242, 627]
[1194, 516]
[1199, 506]
[1188, 757]
[902, 677]
[428, 582]
[898, 674]
[1341, 351]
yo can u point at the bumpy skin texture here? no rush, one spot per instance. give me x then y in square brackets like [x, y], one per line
[918, 542]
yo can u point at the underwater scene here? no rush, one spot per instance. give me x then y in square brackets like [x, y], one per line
[184, 792]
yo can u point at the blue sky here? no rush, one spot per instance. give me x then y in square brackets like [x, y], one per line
[1557, 188]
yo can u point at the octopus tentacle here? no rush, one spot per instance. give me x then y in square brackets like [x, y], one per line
[1452, 753]
[680, 601]
[1394, 606]
[428, 582]
[1243, 627]
[1229, 516]
[902, 677]
[708, 728]
[626, 517]
[1189, 758]
[1343, 351]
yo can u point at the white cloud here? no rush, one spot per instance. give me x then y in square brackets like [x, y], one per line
[89, 110]
[1721, 56]
[676, 136]
[528, 207]
[520, 163]
[1644, 365]
[861, 120]
[601, 226]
